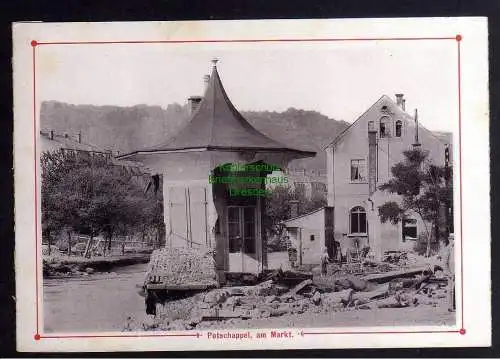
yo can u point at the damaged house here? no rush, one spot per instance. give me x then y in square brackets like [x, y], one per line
[203, 215]
[359, 160]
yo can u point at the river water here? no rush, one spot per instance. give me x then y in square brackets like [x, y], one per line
[94, 303]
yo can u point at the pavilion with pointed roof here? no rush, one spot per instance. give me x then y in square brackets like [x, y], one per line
[205, 215]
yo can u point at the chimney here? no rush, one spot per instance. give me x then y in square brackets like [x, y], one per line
[403, 104]
[400, 100]
[194, 104]
[79, 137]
[417, 142]
[206, 81]
[372, 160]
[294, 208]
[51, 134]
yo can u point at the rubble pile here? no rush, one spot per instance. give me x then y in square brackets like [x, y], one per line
[366, 267]
[183, 266]
[289, 294]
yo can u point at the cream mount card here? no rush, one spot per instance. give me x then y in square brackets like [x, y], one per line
[243, 185]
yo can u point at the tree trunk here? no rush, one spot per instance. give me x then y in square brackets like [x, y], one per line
[428, 234]
[143, 236]
[428, 247]
[69, 242]
[437, 230]
[49, 241]
[109, 241]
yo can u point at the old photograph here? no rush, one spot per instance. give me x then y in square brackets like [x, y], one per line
[199, 214]
[221, 187]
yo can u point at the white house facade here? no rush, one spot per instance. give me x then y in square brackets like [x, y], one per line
[360, 159]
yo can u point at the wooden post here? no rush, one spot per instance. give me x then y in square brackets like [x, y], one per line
[86, 254]
[69, 242]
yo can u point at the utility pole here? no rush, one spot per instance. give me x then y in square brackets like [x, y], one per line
[447, 177]
[300, 246]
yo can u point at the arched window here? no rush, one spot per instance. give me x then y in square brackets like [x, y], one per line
[399, 127]
[357, 219]
[385, 128]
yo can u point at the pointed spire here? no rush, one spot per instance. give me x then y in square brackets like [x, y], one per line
[218, 126]
[417, 143]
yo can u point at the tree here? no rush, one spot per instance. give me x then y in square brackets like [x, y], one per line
[424, 188]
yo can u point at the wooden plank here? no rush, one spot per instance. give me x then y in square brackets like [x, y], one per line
[385, 277]
[87, 247]
[300, 286]
[182, 287]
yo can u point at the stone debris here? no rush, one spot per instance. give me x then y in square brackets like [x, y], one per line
[182, 266]
[301, 286]
[316, 298]
[273, 298]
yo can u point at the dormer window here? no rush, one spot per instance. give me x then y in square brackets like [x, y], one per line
[384, 129]
[399, 127]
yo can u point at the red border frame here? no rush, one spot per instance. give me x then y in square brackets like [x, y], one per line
[34, 44]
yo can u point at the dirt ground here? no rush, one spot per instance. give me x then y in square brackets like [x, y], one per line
[110, 302]
[387, 317]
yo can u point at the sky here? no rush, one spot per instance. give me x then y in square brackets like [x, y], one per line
[340, 80]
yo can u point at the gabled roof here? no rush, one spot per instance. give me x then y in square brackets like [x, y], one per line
[343, 133]
[217, 125]
[377, 103]
[301, 216]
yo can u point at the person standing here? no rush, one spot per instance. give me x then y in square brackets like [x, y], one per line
[450, 272]
[325, 258]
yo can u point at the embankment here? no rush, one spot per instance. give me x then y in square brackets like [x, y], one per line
[56, 266]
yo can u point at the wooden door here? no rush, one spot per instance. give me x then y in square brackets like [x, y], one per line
[242, 239]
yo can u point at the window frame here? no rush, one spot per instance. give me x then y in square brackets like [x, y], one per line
[243, 245]
[362, 180]
[400, 129]
[413, 225]
[386, 121]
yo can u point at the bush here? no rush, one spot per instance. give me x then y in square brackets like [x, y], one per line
[278, 243]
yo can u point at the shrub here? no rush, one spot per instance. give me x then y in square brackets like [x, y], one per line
[420, 246]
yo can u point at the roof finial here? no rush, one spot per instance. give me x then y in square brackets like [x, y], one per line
[214, 61]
